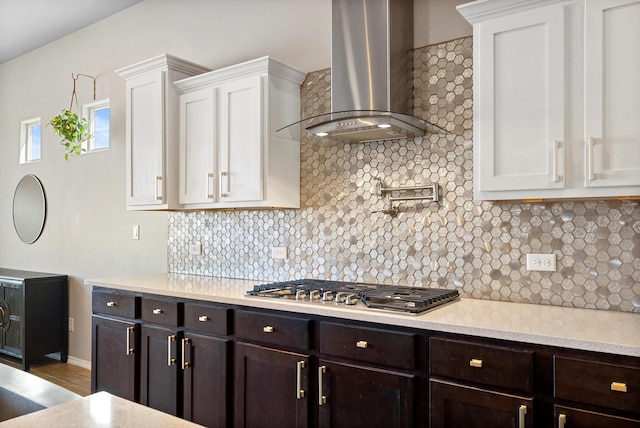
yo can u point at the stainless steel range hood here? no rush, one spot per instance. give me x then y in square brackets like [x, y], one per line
[371, 75]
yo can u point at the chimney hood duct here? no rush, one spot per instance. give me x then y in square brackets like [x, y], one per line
[371, 75]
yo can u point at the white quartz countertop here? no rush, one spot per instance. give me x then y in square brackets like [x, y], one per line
[100, 410]
[586, 329]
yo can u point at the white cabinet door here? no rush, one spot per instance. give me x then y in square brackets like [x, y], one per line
[519, 67]
[241, 140]
[145, 139]
[198, 144]
[612, 93]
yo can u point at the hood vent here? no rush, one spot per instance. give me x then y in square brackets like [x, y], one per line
[371, 75]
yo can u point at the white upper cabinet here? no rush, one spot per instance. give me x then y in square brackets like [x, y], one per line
[553, 118]
[612, 93]
[152, 131]
[229, 155]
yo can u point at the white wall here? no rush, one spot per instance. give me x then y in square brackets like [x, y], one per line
[88, 230]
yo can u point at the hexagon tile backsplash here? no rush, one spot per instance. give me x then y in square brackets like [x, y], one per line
[479, 249]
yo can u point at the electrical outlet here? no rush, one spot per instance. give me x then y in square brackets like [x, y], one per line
[195, 249]
[279, 253]
[543, 262]
[136, 232]
[71, 324]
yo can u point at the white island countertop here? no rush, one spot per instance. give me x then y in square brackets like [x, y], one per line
[99, 410]
[586, 329]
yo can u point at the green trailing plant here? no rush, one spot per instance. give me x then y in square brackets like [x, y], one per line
[73, 130]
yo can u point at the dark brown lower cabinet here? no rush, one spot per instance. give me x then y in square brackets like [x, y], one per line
[358, 396]
[205, 367]
[567, 417]
[459, 406]
[160, 379]
[271, 388]
[115, 358]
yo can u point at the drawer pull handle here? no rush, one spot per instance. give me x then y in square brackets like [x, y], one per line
[522, 411]
[362, 344]
[267, 329]
[203, 318]
[475, 363]
[111, 304]
[299, 390]
[170, 361]
[157, 311]
[130, 350]
[562, 420]
[185, 364]
[619, 386]
[322, 399]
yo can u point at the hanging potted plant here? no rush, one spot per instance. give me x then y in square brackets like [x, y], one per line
[73, 129]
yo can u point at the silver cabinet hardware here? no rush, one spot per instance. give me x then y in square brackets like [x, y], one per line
[158, 193]
[556, 166]
[590, 174]
[522, 411]
[322, 399]
[299, 391]
[170, 361]
[203, 318]
[562, 420]
[362, 344]
[619, 386]
[130, 350]
[267, 329]
[209, 194]
[185, 364]
[111, 304]
[475, 363]
[221, 193]
[157, 311]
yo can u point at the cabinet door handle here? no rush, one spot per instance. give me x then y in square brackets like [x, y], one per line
[3, 315]
[130, 350]
[111, 304]
[362, 344]
[157, 311]
[562, 419]
[185, 364]
[267, 329]
[203, 318]
[170, 361]
[299, 391]
[158, 193]
[555, 161]
[322, 399]
[475, 363]
[208, 186]
[619, 386]
[590, 174]
[222, 194]
[522, 411]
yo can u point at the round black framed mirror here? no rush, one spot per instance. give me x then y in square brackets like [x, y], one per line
[29, 209]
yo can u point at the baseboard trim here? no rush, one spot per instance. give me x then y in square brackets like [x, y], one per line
[78, 362]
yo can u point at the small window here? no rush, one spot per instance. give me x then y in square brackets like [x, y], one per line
[97, 114]
[30, 140]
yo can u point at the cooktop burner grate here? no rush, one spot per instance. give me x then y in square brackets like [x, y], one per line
[399, 298]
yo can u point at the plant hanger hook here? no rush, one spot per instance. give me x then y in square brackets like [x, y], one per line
[73, 94]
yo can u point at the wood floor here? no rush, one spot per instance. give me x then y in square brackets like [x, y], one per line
[73, 378]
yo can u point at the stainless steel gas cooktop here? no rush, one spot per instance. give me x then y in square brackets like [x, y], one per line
[389, 297]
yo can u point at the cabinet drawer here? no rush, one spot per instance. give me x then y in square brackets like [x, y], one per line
[207, 318]
[582, 418]
[370, 345]
[489, 365]
[597, 383]
[290, 332]
[162, 311]
[116, 304]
